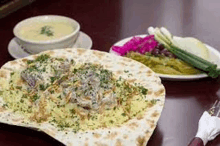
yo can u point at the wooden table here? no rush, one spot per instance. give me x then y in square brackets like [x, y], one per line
[107, 22]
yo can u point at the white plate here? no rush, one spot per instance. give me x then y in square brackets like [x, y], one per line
[16, 51]
[214, 56]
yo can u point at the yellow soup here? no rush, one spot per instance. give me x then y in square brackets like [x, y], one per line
[38, 31]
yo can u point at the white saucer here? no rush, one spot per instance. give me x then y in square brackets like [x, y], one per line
[16, 51]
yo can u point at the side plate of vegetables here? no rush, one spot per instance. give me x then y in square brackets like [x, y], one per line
[171, 57]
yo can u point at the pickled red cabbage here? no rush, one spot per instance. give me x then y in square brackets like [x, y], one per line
[137, 44]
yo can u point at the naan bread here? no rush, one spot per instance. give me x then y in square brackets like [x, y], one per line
[136, 131]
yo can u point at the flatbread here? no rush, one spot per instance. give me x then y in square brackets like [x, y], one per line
[136, 131]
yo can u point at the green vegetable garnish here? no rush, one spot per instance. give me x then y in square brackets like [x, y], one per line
[12, 73]
[52, 79]
[154, 101]
[35, 97]
[143, 90]
[42, 58]
[123, 114]
[46, 30]
[196, 61]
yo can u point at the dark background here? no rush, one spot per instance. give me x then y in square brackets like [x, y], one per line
[108, 21]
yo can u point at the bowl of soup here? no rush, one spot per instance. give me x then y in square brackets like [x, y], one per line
[47, 32]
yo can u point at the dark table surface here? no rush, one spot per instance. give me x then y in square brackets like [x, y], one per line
[108, 21]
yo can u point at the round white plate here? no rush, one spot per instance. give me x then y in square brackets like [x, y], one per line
[214, 56]
[16, 51]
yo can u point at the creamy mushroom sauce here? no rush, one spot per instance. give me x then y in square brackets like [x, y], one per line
[75, 96]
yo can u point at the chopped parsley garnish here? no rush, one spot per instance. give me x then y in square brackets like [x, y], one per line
[72, 61]
[44, 69]
[59, 97]
[30, 61]
[60, 59]
[72, 111]
[46, 30]
[31, 69]
[42, 58]
[12, 73]
[18, 87]
[24, 96]
[43, 87]
[35, 97]
[5, 105]
[143, 90]
[52, 91]
[154, 101]
[52, 79]
[22, 101]
[123, 114]
[117, 84]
